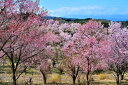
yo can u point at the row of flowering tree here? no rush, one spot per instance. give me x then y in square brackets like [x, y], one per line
[26, 39]
[87, 48]
[90, 47]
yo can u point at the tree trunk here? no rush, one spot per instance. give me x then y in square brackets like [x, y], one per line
[122, 76]
[88, 72]
[44, 78]
[87, 76]
[74, 79]
[30, 81]
[14, 79]
[13, 73]
[61, 71]
[75, 74]
[118, 79]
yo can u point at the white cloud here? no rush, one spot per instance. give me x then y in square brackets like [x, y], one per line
[87, 10]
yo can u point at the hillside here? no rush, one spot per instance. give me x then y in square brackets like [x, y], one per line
[76, 20]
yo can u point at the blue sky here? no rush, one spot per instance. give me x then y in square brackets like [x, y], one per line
[75, 8]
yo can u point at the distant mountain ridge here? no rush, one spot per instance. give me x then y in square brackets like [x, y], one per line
[106, 17]
[103, 17]
[82, 21]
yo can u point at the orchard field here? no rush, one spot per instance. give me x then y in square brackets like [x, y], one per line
[55, 78]
[39, 51]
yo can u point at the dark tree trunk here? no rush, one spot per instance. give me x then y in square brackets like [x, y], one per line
[87, 76]
[30, 81]
[118, 79]
[13, 72]
[88, 72]
[44, 77]
[75, 72]
[122, 76]
[14, 79]
[61, 71]
[74, 79]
